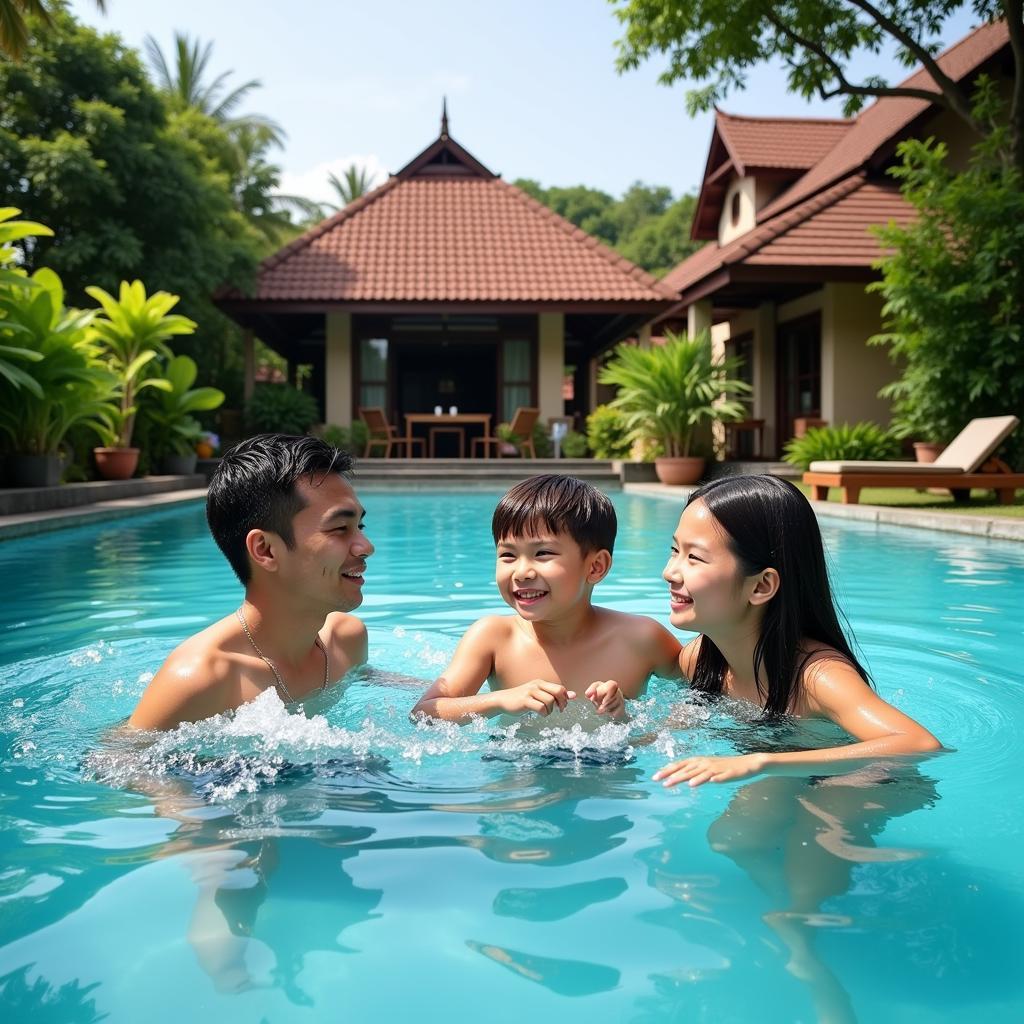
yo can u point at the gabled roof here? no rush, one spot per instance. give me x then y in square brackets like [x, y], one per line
[445, 229]
[778, 147]
[792, 230]
[827, 229]
[785, 143]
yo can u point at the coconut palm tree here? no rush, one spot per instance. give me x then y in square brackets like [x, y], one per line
[185, 81]
[14, 30]
[357, 181]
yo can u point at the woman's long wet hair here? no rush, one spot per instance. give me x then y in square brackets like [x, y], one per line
[769, 523]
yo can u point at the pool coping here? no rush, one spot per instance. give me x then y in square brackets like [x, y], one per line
[28, 524]
[993, 527]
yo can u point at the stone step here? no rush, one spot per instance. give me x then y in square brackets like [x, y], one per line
[23, 500]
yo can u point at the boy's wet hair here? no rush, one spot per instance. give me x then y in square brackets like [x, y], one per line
[253, 488]
[561, 504]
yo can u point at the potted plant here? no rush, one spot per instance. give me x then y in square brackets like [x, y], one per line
[667, 391]
[68, 383]
[170, 410]
[131, 332]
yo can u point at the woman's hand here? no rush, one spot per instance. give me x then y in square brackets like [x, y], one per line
[698, 770]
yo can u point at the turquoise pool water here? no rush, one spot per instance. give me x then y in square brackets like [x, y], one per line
[354, 867]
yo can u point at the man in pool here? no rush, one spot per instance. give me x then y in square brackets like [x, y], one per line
[554, 537]
[284, 514]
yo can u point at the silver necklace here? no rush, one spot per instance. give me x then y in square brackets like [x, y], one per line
[273, 667]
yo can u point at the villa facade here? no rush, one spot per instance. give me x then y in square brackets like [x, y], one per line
[447, 286]
[786, 206]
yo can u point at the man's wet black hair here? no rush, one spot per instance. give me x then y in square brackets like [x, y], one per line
[561, 504]
[253, 488]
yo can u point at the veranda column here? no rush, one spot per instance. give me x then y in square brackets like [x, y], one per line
[550, 365]
[338, 369]
[698, 317]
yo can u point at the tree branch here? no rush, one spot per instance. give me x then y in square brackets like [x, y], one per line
[845, 87]
[959, 101]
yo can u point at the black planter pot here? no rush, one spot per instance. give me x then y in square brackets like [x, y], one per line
[34, 470]
[180, 465]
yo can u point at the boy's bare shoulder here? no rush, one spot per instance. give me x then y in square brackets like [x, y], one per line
[491, 630]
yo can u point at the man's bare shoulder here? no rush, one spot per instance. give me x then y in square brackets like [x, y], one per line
[347, 635]
[198, 679]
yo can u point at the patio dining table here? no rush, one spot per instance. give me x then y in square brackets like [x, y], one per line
[456, 423]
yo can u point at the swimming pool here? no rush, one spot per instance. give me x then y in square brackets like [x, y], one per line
[355, 867]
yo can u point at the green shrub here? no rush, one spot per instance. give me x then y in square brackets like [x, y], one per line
[574, 445]
[350, 439]
[859, 441]
[607, 434]
[542, 442]
[358, 435]
[337, 437]
[280, 408]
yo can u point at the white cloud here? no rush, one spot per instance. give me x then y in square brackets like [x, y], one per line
[314, 183]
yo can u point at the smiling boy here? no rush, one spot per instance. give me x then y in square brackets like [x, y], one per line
[283, 513]
[554, 537]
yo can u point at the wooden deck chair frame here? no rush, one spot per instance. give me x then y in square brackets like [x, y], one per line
[381, 432]
[966, 463]
[522, 426]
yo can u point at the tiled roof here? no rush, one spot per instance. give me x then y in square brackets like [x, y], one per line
[889, 116]
[797, 228]
[459, 238]
[828, 229]
[785, 143]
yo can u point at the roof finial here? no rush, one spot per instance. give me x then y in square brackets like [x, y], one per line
[444, 117]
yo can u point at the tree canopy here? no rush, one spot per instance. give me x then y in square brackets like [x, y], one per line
[646, 225]
[715, 44]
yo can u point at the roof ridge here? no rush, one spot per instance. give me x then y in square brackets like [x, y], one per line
[309, 236]
[607, 252]
[789, 118]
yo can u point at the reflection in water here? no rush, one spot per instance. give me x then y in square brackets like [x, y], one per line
[555, 903]
[563, 977]
[42, 1003]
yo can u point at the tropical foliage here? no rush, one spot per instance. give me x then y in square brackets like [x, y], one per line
[954, 287]
[354, 182]
[71, 386]
[130, 333]
[646, 225]
[170, 409]
[280, 408]
[818, 42]
[666, 391]
[608, 434]
[859, 441]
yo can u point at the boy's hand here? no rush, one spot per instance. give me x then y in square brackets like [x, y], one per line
[607, 698]
[538, 695]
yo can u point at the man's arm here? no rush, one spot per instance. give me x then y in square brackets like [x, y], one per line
[188, 688]
[456, 696]
[349, 638]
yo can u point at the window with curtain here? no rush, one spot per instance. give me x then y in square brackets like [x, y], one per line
[373, 373]
[516, 376]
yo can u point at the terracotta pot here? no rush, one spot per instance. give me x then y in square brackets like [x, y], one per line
[927, 451]
[116, 463]
[680, 470]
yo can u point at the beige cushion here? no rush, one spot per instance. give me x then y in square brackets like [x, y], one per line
[964, 454]
[924, 468]
[976, 442]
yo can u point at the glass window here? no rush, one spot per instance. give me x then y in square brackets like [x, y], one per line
[517, 380]
[373, 373]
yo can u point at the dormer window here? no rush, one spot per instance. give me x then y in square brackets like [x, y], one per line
[734, 208]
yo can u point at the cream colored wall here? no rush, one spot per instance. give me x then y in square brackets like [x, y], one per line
[339, 368]
[698, 317]
[747, 189]
[550, 364]
[852, 372]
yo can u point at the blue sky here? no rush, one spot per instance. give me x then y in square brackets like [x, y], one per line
[532, 88]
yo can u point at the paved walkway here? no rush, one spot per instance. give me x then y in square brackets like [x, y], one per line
[996, 527]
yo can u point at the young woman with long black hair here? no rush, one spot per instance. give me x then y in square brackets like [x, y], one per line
[747, 572]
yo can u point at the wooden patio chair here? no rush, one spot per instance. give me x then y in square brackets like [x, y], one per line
[965, 463]
[384, 434]
[522, 426]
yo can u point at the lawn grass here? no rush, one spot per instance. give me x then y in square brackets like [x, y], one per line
[981, 503]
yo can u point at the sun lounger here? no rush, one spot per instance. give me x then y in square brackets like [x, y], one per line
[967, 462]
